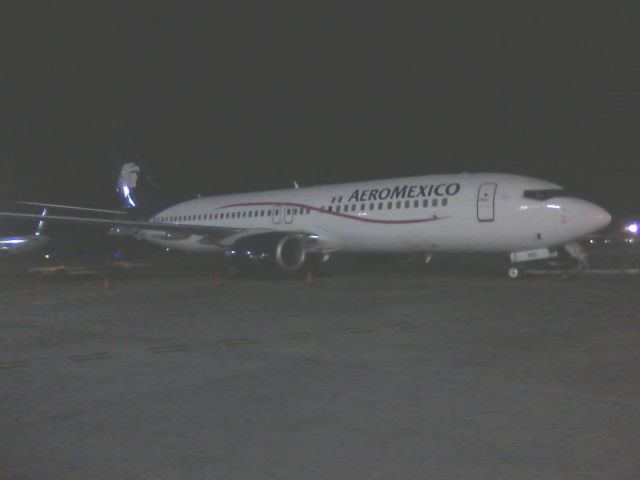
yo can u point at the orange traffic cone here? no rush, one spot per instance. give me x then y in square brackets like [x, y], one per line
[309, 276]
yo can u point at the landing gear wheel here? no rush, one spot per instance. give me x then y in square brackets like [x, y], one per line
[514, 272]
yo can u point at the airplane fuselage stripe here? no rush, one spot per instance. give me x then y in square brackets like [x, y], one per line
[337, 214]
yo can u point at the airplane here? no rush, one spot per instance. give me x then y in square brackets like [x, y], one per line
[526, 218]
[18, 244]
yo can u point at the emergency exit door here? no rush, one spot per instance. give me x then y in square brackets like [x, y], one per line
[486, 202]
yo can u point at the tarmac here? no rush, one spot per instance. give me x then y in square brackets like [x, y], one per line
[362, 375]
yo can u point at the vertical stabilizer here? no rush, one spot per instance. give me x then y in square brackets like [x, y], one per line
[128, 183]
[137, 190]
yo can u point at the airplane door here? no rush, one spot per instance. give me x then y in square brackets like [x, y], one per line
[486, 202]
[276, 216]
[288, 214]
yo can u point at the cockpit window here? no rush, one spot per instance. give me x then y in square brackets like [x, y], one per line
[545, 194]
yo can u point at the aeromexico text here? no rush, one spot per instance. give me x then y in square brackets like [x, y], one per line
[404, 191]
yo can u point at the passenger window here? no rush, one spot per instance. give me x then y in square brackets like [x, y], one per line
[389, 205]
[398, 204]
[353, 207]
[434, 202]
[338, 208]
[372, 206]
[425, 202]
[416, 203]
[444, 202]
[407, 204]
[269, 212]
[308, 210]
[362, 207]
[330, 209]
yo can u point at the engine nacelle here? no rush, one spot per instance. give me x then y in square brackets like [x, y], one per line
[282, 250]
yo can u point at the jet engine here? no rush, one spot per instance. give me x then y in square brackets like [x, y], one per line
[280, 250]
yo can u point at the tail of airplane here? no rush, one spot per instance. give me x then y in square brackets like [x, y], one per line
[128, 183]
[136, 189]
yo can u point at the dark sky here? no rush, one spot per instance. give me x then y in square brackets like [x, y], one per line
[234, 96]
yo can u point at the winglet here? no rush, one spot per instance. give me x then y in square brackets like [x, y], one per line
[40, 227]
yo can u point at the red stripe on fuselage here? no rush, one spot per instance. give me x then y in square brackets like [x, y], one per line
[337, 214]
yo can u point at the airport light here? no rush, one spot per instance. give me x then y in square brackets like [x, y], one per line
[632, 228]
[13, 241]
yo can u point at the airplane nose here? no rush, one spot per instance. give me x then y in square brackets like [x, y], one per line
[601, 218]
[582, 217]
[594, 217]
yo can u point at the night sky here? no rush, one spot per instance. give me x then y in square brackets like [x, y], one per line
[223, 97]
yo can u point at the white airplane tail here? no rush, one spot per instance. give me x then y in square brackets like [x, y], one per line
[136, 189]
[127, 184]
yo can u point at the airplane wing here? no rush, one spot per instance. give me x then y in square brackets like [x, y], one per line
[71, 207]
[223, 236]
[111, 222]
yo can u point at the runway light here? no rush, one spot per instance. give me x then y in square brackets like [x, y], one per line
[632, 228]
[12, 241]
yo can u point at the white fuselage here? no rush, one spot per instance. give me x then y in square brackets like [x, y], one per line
[460, 212]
